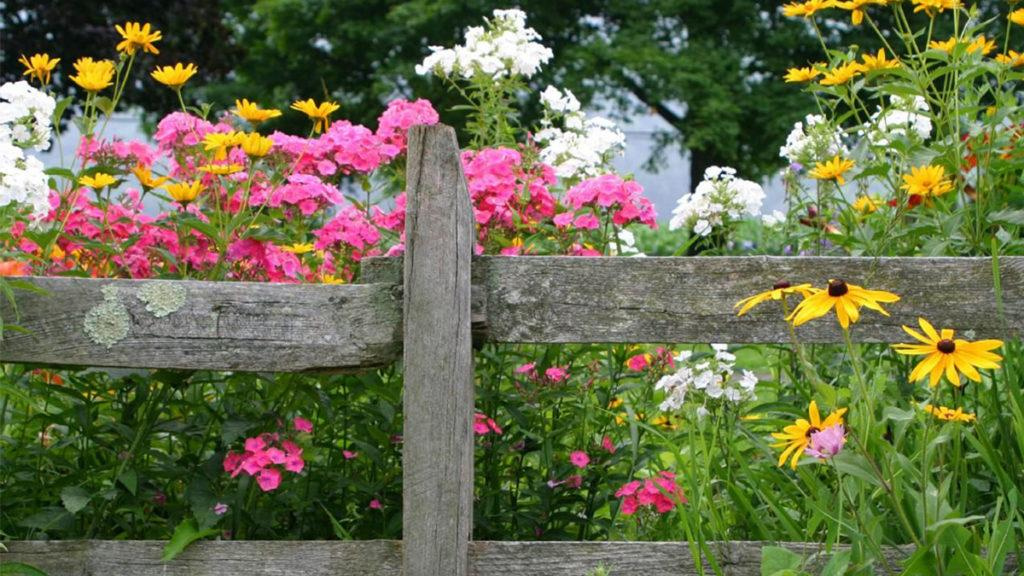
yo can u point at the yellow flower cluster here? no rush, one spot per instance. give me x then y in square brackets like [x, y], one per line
[949, 414]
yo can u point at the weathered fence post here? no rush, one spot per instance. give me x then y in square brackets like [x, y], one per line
[438, 358]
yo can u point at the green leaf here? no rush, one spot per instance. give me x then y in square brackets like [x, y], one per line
[105, 105]
[185, 533]
[130, 480]
[19, 569]
[837, 565]
[339, 531]
[1014, 217]
[74, 498]
[777, 561]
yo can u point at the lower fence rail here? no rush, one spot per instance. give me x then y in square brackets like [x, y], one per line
[384, 558]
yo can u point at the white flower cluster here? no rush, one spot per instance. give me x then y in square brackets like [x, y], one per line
[583, 147]
[25, 116]
[625, 245]
[504, 48]
[715, 377]
[719, 196]
[906, 117]
[24, 123]
[811, 141]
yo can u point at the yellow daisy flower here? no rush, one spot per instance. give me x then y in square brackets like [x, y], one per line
[795, 437]
[220, 142]
[801, 74]
[856, 8]
[97, 181]
[221, 169]
[879, 61]
[931, 7]
[146, 178]
[847, 299]
[1012, 58]
[927, 181]
[1017, 17]
[137, 36]
[184, 192]
[842, 74]
[318, 113]
[948, 355]
[949, 414]
[943, 45]
[299, 248]
[866, 204]
[174, 76]
[255, 145]
[39, 66]
[251, 112]
[832, 169]
[93, 75]
[779, 291]
[807, 8]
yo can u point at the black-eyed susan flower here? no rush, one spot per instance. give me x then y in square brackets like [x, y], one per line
[97, 181]
[842, 74]
[879, 61]
[318, 113]
[93, 75]
[135, 35]
[949, 414]
[779, 291]
[927, 181]
[833, 169]
[255, 145]
[847, 299]
[797, 436]
[174, 77]
[251, 112]
[39, 67]
[183, 192]
[794, 75]
[949, 356]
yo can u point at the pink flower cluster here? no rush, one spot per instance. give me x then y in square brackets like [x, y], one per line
[623, 199]
[660, 359]
[483, 425]
[505, 192]
[401, 115]
[552, 375]
[264, 457]
[660, 493]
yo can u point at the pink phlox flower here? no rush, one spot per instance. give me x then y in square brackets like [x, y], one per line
[393, 220]
[482, 425]
[301, 424]
[608, 445]
[622, 198]
[269, 479]
[375, 505]
[556, 374]
[579, 459]
[638, 363]
[349, 454]
[220, 508]
[574, 481]
[355, 148]
[401, 115]
[349, 228]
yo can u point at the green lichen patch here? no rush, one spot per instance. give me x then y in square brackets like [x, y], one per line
[162, 298]
[108, 322]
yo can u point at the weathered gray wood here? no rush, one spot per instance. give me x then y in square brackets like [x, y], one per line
[438, 358]
[218, 326]
[383, 558]
[565, 299]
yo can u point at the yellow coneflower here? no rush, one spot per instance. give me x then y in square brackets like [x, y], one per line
[842, 74]
[255, 145]
[174, 77]
[220, 169]
[779, 291]
[184, 192]
[943, 45]
[801, 74]
[927, 181]
[795, 437]
[97, 181]
[220, 142]
[39, 66]
[944, 354]
[807, 8]
[135, 36]
[879, 61]
[146, 178]
[93, 75]
[847, 299]
[981, 44]
[866, 204]
[251, 112]
[1012, 58]
[318, 113]
[949, 414]
[832, 169]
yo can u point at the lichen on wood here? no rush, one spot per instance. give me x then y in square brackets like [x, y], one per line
[108, 322]
[162, 298]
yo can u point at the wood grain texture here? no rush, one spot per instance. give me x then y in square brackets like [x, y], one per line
[565, 299]
[438, 358]
[219, 326]
[383, 558]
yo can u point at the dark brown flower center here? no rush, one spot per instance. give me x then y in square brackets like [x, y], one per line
[811, 430]
[781, 285]
[837, 288]
[946, 346]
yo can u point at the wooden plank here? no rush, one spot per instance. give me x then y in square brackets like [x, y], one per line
[566, 299]
[437, 452]
[205, 325]
[383, 558]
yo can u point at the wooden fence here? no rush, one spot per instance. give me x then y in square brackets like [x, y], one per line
[428, 310]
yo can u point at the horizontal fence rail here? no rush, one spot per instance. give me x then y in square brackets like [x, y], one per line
[384, 558]
[543, 299]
